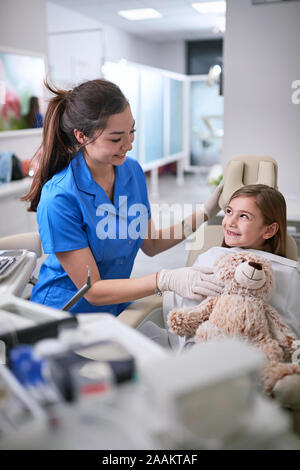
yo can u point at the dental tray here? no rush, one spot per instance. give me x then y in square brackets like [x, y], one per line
[10, 260]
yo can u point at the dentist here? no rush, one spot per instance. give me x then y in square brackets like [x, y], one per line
[87, 194]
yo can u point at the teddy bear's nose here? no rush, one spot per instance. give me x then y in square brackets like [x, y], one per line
[254, 265]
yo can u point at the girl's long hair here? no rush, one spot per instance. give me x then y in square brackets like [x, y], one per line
[87, 108]
[272, 206]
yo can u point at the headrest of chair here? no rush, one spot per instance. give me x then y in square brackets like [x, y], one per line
[243, 170]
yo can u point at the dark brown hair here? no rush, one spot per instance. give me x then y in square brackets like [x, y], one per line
[272, 206]
[34, 109]
[87, 108]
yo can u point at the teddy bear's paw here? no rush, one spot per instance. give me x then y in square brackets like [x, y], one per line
[207, 331]
[287, 390]
[180, 323]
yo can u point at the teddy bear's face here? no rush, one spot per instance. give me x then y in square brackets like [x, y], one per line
[246, 273]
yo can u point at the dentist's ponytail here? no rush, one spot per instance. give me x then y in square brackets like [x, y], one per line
[86, 108]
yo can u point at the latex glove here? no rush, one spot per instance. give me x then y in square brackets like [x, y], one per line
[193, 283]
[211, 207]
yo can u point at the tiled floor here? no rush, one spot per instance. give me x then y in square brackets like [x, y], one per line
[194, 191]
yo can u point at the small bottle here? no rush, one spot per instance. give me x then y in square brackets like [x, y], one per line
[31, 371]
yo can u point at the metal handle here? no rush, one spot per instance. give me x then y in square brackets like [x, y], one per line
[84, 289]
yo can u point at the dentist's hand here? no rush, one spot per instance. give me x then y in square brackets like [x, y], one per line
[193, 283]
[211, 207]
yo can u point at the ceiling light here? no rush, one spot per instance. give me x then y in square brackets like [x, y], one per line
[210, 7]
[219, 27]
[140, 14]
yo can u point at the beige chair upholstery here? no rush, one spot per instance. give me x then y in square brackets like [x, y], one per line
[30, 241]
[243, 170]
[138, 311]
[213, 236]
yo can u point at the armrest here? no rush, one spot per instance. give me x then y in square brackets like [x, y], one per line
[135, 314]
[30, 241]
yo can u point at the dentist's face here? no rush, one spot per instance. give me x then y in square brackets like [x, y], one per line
[243, 224]
[113, 143]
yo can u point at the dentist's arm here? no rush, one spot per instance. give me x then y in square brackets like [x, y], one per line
[187, 282]
[158, 241]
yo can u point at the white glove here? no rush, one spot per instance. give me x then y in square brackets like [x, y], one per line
[193, 283]
[211, 207]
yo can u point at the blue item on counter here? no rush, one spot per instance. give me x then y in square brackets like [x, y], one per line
[30, 371]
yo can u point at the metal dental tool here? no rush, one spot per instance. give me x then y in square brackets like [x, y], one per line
[84, 289]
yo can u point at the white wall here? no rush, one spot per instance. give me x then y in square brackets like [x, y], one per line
[116, 44]
[261, 60]
[173, 56]
[23, 25]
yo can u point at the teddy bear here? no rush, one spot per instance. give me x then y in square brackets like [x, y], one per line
[242, 311]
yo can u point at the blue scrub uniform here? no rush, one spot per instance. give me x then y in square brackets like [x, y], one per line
[74, 212]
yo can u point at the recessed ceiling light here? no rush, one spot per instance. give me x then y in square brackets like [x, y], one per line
[140, 14]
[210, 7]
[219, 28]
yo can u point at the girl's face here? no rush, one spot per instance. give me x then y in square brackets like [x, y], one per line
[112, 145]
[243, 224]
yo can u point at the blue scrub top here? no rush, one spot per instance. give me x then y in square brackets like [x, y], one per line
[74, 212]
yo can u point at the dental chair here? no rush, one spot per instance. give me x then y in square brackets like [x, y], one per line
[30, 241]
[239, 171]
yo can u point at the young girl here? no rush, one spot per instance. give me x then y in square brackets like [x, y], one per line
[255, 220]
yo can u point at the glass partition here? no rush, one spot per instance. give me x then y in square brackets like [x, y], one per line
[152, 109]
[126, 76]
[176, 116]
[206, 119]
[156, 100]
